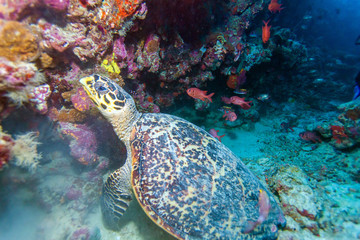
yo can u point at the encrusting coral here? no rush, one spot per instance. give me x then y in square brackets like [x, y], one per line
[6, 143]
[25, 152]
[17, 42]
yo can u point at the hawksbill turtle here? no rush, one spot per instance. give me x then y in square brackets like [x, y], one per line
[186, 181]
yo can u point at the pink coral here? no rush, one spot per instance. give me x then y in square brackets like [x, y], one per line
[83, 142]
[80, 100]
[59, 5]
[38, 97]
[119, 49]
[80, 234]
[6, 144]
[142, 100]
[15, 75]
[73, 194]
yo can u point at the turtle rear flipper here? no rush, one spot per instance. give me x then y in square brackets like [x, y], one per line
[116, 197]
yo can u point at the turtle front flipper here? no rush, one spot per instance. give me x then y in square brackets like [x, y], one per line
[116, 197]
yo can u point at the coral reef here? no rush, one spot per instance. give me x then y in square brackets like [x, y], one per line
[25, 152]
[343, 132]
[39, 96]
[17, 42]
[299, 202]
[6, 145]
[157, 50]
[18, 80]
[82, 142]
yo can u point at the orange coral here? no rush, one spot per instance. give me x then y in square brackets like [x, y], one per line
[153, 45]
[17, 42]
[68, 115]
[232, 81]
[46, 61]
[124, 9]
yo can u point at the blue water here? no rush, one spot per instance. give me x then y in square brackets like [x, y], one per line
[300, 136]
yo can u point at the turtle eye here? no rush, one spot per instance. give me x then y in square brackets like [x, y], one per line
[100, 87]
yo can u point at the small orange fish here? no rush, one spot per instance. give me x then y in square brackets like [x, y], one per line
[266, 32]
[274, 6]
[199, 94]
[214, 133]
[241, 102]
[264, 209]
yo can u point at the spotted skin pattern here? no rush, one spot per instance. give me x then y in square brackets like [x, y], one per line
[187, 182]
[192, 185]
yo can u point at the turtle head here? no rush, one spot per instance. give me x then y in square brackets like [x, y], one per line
[109, 97]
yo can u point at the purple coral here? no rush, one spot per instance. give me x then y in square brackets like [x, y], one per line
[83, 142]
[80, 234]
[119, 49]
[73, 194]
[59, 5]
[80, 100]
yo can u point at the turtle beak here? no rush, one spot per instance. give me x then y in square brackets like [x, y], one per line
[88, 85]
[87, 82]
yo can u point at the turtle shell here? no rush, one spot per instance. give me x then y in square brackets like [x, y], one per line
[192, 185]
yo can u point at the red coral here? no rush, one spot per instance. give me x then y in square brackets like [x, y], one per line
[125, 8]
[6, 143]
[338, 133]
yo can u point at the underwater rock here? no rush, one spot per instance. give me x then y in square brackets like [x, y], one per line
[343, 132]
[324, 129]
[73, 194]
[297, 198]
[80, 234]
[341, 209]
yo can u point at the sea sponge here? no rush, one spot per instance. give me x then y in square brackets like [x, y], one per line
[67, 115]
[25, 152]
[17, 42]
[46, 61]
[152, 44]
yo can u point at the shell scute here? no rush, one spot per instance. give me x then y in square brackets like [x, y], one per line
[192, 185]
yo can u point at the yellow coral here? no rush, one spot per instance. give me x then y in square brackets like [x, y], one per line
[111, 66]
[25, 151]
